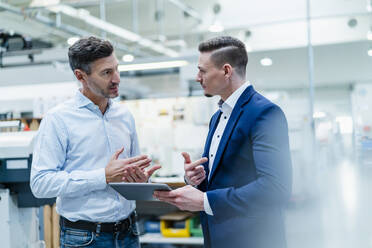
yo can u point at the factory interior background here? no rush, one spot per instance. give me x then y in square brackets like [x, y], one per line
[313, 58]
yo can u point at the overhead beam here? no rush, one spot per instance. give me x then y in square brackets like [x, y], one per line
[108, 27]
[68, 29]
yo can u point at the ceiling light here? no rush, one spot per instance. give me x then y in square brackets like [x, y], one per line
[369, 35]
[216, 27]
[370, 52]
[127, 58]
[266, 61]
[43, 3]
[154, 65]
[72, 40]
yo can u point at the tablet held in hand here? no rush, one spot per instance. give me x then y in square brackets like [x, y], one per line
[139, 191]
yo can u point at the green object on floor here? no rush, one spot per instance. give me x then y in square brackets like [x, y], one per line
[195, 227]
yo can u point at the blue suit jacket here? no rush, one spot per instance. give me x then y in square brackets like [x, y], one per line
[251, 177]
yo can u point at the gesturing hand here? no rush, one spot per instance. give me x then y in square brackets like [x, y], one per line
[117, 169]
[139, 174]
[194, 171]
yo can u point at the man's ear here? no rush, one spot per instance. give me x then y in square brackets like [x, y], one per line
[80, 75]
[227, 70]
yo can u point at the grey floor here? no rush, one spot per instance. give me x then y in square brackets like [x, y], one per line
[334, 210]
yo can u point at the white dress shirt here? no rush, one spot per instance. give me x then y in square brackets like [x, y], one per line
[226, 109]
[74, 144]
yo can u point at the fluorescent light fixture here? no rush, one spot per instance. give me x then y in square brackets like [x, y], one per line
[153, 65]
[369, 52]
[72, 40]
[216, 27]
[43, 3]
[319, 115]
[127, 58]
[369, 35]
[266, 61]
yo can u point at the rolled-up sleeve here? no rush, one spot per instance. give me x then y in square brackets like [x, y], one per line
[48, 179]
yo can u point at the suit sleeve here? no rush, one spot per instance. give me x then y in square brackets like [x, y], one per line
[271, 157]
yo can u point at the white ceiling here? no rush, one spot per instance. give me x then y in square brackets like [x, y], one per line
[273, 24]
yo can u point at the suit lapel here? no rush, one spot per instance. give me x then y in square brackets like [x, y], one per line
[235, 115]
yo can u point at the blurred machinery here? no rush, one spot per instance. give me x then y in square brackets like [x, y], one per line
[19, 222]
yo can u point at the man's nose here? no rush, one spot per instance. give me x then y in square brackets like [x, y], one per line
[116, 77]
[198, 78]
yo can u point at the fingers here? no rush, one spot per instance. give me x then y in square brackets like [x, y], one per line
[171, 197]
[196, 171]
[200, 161]
[152, 170]
[135, 159]
[168, 200]
[116, 155]
[134, 174]
[127, 177]
[196, 176]
[197, 179]
[138, 174]
[142, 164]
[195, 163]
[186, 156]
[165, 194]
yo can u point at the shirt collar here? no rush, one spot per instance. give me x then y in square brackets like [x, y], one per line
[83, 101]
[233, 98]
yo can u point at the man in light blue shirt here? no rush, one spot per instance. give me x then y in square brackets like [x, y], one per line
[84, 144]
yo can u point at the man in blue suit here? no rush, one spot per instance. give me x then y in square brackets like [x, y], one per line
[243, 186]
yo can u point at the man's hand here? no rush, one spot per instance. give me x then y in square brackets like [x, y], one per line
[117, 169]
[186, 198]
[138, 174]
[194, 171]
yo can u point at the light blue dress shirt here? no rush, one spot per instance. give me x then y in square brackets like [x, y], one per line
[74, 144]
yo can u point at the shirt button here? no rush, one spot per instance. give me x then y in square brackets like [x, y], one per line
[211, 155]
[218, 136]
[225, 117]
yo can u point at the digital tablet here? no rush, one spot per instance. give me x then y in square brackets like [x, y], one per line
[139, 191]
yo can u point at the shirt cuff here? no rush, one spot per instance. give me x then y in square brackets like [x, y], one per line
[207, 207]
[98, 177]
